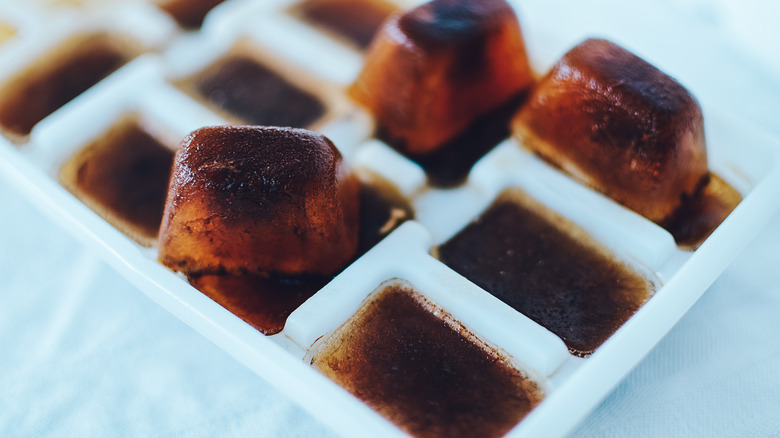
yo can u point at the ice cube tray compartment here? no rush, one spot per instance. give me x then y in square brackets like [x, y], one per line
[103, 40]
[190, 57]
[404, 255]
[148, 87]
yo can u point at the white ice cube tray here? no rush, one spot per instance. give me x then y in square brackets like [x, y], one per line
[743, 155]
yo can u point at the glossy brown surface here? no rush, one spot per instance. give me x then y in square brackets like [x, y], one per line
[123, 176]
[547, 269]
[264, 301]
[357, 21]
[188, 13]
[433, 71]
[698, 216]
[255, 200]
[426, 373]
[57, 78]
[250, 92]
[620, 125]
[449, 165]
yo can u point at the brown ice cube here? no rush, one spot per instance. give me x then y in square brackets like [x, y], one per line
[548, 269]
[620, 125]
[246, 199]
[417, 366]
[250, 93]
[58, 77]
[123, 175]
[433, 71]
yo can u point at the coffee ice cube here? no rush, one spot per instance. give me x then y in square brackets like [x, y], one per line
[58, 77]
[434, 70]
[416, 365]
[620, 125]
[250, 93]
[123, 175]
[249, 199]
[548, 269]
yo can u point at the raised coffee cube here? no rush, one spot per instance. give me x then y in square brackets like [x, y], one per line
[246, 200]
[433, 71]
[417, 366]
[619, 125]
[548, 269]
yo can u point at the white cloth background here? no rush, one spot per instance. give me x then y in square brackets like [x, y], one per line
[83, 353]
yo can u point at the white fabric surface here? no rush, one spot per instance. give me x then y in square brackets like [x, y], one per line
[83, 353]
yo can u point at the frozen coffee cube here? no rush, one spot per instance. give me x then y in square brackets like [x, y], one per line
[251, 93]
[417, 366]
[432, 71]
[60, 76]
[620, 125]
[248, 200]
[548, 269]
[123, 176]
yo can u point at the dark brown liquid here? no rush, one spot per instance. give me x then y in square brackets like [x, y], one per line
[355, 20]
[247, 90]
[265, 302]
[189, 13]
[51, 83]
[382, 210]
[123, 175]
[449, 165]
[548, 270]
[424, 372]
[698, 216]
